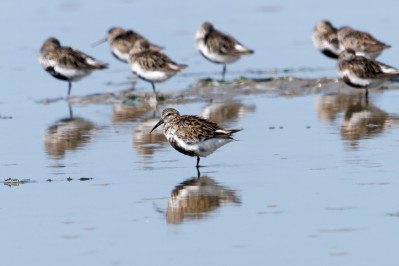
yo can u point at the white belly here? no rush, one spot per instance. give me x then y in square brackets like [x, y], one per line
[154, 76]
[120, 55]
[215, 57]
[204, 148]
[73, 74]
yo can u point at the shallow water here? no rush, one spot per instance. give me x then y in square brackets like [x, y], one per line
[311, 181]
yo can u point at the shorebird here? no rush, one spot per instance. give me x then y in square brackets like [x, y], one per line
[324, 37]
[66, 63]
[363, 43]
[363, 72]
[122, 41]
[219, 47]
[193, 135]
[152, 66]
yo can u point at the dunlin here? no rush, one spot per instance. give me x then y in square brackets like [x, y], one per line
[363, 72]
[363, 43]
[152, 66]
[324, 37]
[219, 47]
[193, 135]
[122, 41]
[66, 63]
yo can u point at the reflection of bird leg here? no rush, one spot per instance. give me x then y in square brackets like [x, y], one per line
[198, 172]
[224, 72]
[158, 209]
[364, 101]
[70, 110]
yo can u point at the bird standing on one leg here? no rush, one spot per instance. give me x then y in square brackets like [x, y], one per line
[363, 72]
[193, 135]
[66, 63]
[219, 47]
[152, 66]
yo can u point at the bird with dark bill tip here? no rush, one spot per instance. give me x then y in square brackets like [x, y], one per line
[193, 135]
[122, 41]
[363, 72]
[66, 63]
[363, 43]
[219, 47]
[324, 37]
[152, 66]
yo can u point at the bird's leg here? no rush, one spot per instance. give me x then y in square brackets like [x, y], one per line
[153, 88]
[70, 110]
[198, 173]
[69, 87]
[367, 94]
[198, 160]
[224, 72]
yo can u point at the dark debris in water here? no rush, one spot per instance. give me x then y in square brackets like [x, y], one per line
[69, 179]
[394, 214]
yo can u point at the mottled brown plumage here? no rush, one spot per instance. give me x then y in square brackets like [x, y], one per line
[219, 47]
[363, 72]
[193, 135]
[363, 43]
[194, 129]
[151, 60]
[219, 42]
[324, 37]
[152, 66]
[122, 41]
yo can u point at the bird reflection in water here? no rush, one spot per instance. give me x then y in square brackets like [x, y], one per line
[129, 113]
[196, 198]
[361, 119]
[144, 143]
[225, 111]
[66, 134]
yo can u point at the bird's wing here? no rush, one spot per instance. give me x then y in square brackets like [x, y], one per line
[194, 129]
[221, 43]
[72, 58]
[156, 60]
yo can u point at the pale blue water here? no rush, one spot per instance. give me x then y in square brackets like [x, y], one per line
[302, 194]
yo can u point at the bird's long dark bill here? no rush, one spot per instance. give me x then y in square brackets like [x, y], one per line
[99, 42]
[160, 122]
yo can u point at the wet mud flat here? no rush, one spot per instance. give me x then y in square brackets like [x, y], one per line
[208, 90]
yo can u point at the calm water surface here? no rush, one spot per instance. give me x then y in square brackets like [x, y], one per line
[312, 181]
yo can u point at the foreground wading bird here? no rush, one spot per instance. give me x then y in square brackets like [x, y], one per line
[66, 63]
[193, 135]
[219, 47]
